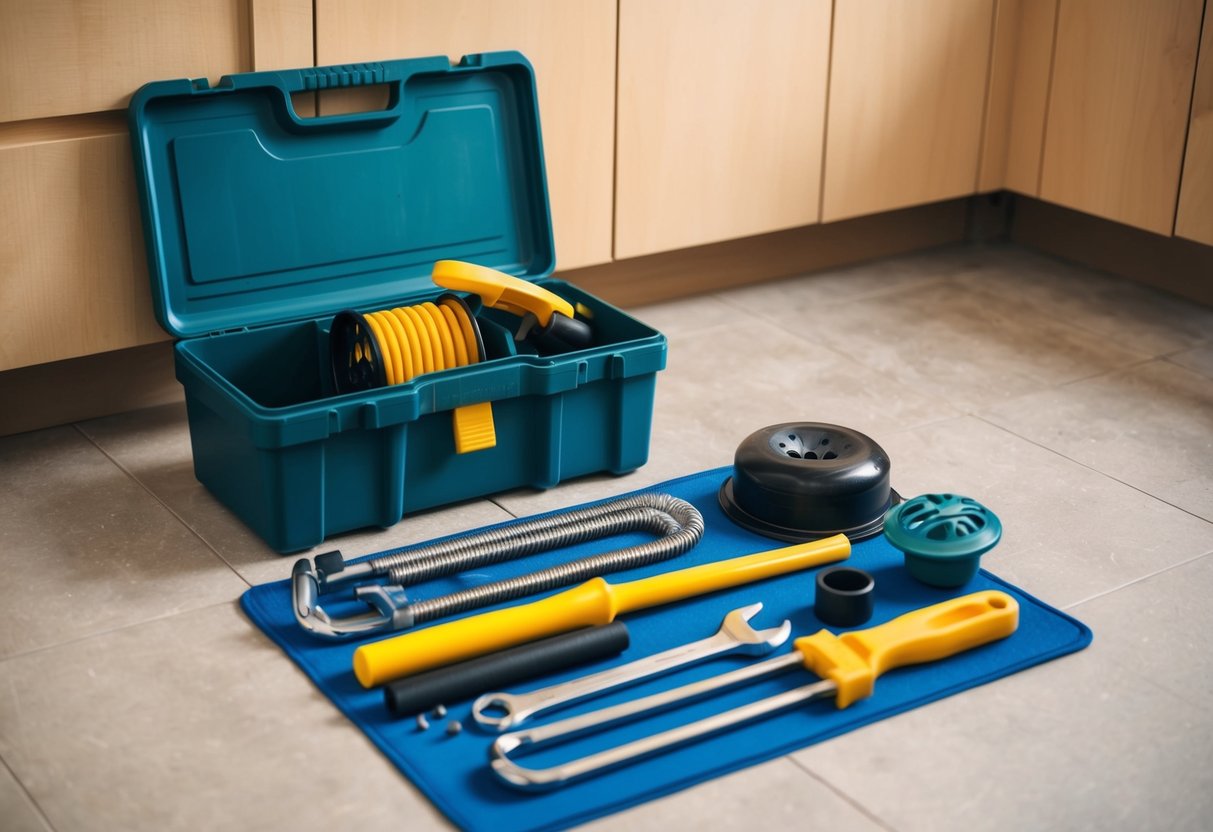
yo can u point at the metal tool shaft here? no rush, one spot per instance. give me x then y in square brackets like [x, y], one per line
[735, 635]
[533, 779]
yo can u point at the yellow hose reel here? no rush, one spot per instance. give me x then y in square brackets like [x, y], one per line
[393, 346]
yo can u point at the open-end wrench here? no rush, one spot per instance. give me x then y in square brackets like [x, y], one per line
[848, 666]
[501, 711]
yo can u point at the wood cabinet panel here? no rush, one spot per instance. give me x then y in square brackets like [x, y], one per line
[572, 47]
[78, 56]
[1194, 218]
[281, 34]
[721, 106]
[75, 275]
[907, 90]
[1118, 108]
[1019, 92]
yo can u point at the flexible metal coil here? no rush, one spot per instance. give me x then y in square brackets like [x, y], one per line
[678, 524]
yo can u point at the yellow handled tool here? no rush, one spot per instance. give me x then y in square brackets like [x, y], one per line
[848, 665]
[592, 603]
[500, 290]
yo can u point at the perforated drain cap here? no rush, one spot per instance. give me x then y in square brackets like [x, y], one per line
[943, 536]
[802, 481]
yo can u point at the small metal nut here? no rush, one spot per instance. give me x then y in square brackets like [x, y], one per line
[439, 712]
[423, 724]
[453, 727]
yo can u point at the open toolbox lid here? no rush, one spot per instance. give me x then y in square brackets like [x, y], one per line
[254, 215]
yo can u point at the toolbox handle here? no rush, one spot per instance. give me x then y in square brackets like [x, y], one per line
[314, 79]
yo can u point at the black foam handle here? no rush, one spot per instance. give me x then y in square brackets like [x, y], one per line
[457, 682]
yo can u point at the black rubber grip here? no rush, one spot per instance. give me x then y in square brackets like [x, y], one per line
[456, 682]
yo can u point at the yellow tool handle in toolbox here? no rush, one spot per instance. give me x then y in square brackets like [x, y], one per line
[500, 290]
[853, 660]
[593, 603]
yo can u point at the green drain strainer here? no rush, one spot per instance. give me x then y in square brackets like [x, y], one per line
[943, 536]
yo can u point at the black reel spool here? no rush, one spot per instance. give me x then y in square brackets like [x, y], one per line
[802, 481]
[356, 356]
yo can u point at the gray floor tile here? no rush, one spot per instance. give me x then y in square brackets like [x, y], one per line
[153, 445]
[195, 722]
[17, 812]
[85, 549]
[775, 795]
[954, 344]
[1199, 359]
[1068, 532]
[1160, 629]
[1150, 426]
[1073, 744]
[724, 383]
[687, 315]
[802, 297]
[1135, 316]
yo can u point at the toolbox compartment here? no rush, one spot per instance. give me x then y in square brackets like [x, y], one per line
[261, 225]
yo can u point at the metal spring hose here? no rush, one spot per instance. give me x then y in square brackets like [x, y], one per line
[678, 525]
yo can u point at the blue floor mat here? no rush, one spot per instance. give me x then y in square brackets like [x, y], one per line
[453, 771]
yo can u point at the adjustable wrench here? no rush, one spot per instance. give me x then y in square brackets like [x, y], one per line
[734, 636]
[848, 666]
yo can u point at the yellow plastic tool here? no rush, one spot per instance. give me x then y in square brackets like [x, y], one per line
[592, 603]
[852, 661]
[500, 290]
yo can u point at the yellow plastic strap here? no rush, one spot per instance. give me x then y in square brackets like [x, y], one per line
[854, 660]
[500, 290]
[474, 429]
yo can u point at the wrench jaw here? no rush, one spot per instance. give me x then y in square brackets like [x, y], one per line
[737, 630]
[485, 708]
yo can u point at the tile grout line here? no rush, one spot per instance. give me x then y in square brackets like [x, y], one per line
[163, 504]
[1090, 468]
[859, 807]
[32, 802]
[121, 627]
[1138, 580]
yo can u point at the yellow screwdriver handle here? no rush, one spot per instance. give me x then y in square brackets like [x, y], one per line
[592, 603]
[500, 290]
[853, 660]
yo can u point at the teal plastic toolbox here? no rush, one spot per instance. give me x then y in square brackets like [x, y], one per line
[262, 224]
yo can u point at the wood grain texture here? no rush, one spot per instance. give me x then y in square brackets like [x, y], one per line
[1021, 63]
[1194, 217]
[572, 47]
[1118, 108]
[725, 265]
[74, 270]
[1030, 95]
[995, 133]
[281, 34]
[721, 105]
[907, 92]
[59, 57]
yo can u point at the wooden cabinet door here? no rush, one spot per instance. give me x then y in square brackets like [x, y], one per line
[721, 105]
[1118, 108]
[1194, 219]
[571, 44]
[907, 88]
[74, 279]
